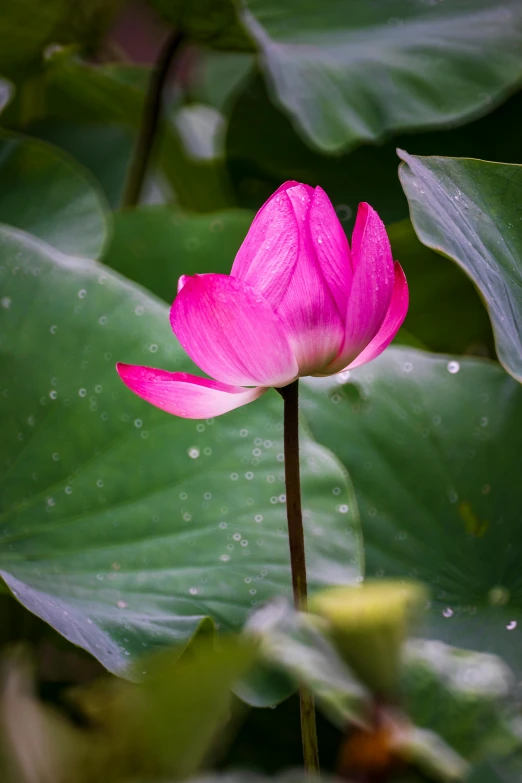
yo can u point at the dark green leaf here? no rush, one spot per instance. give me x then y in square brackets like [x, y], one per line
[469, 210]
[466, 697]
[430, 443]
[349, 72]
[123, 526]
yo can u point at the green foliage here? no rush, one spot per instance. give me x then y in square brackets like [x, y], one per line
[456, 705]
[163, 728]
[127, 530]
[469, 211]
[424, 64]
[429, 442]
[466, 696]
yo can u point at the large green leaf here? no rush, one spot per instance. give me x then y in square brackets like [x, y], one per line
[431, 444]
[469, 210]
[42, 191]
[155, 245]
[122, 526]
[347, 72]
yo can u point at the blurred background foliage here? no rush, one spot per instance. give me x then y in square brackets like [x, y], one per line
[124, 530]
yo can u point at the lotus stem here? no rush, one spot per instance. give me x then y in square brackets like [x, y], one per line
[290, 395]
[150, 121]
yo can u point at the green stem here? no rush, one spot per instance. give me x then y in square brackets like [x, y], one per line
[290, 395]
[150, 121]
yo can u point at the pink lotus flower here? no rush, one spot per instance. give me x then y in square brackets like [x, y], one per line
[297, 302]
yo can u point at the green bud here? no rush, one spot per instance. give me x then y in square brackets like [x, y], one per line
[369, 624]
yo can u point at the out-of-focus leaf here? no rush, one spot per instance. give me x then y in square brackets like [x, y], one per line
[45, 193]
[435, 284]
[28, 26]
[162, 728]
[123, 526]
[497, 773]
[431, 444]
[465, 696]
[155, 245]
[435, 758]
[469, 210]
[350, 72]
[293, 642]
[168, 723]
